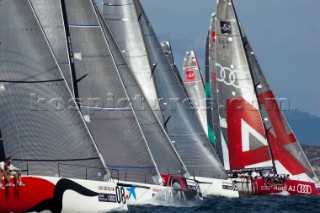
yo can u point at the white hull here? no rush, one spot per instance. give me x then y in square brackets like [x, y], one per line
[147, 194]
[53, 194]
[216, 187]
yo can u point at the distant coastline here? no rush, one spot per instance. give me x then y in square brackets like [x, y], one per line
[313, 154]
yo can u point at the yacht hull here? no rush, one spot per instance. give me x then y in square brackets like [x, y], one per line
[216, 187]
[290, 187]
[61, 195]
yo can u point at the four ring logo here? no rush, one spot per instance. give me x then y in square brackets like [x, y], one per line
[304, 189]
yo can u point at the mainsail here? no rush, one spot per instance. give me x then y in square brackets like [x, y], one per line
[180, 120]
[104, 101]
[261, 135]
[163, 152]
[122, 20]
[50, 17]
[242, 130]
[40, 124]
[213, 117]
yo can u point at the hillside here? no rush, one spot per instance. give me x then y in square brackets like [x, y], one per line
[313, 154]
[305, 126]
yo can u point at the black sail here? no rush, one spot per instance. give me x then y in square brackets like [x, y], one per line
[39, 120]
[180, 120]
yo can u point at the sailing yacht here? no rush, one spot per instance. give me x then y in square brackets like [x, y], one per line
[256, 139]
[112, 104]
[172, 169]
[48, 140]
[180, 120]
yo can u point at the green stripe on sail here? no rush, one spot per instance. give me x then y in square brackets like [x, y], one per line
[211, 136]
[209, 122]
[208, 91]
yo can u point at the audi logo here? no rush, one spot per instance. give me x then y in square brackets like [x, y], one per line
[304, 189]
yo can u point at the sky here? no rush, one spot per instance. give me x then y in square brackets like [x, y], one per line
[285, 35]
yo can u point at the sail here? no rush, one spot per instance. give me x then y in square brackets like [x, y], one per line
[103, 98]
[213, 118]
[50, 18]
[122, 20]
[166, 47]
[287, 153]
[156, 137]
[192, 81]
[40, 125]
[243, 133]
[180, 120]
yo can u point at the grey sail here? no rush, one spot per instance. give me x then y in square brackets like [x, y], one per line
[39, 120]
[163, 152]
[122, 20]
[211, 91]
[180, 120]
[50, 17]
[243, 135]
[105, 103]
[283, 143]
[167, 49]
[193, 82]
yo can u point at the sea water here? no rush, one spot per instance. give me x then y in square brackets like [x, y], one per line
[261, 204]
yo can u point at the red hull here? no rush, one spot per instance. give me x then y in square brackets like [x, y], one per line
[293, 187]
[21, 199]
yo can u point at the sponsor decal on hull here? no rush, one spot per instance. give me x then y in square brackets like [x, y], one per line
[41, 194]
[293, 187]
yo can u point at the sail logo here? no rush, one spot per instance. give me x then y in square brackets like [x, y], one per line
[225, 27]
[228, 76]
[190, 75]
[213, 36]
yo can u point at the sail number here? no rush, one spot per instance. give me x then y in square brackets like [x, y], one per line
[120, 195]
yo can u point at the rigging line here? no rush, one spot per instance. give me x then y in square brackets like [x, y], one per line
[31, 82]
[166, 122]
[77, 81]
